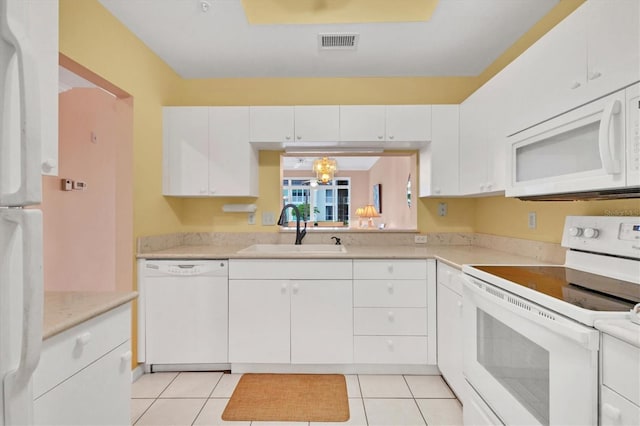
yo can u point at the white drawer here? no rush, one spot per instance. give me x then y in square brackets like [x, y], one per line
[390, 350]
[290, 269]
[450, 277]
[390, 321]
[380, 269]
[390, 293]
[70, 351]
[616, 410]
[621, 367]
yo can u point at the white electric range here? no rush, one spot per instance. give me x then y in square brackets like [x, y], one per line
[531, 349]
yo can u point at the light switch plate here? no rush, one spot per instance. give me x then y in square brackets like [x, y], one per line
[268, 219]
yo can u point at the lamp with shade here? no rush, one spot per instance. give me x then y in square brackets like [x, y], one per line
[360, 213]
[369, 211]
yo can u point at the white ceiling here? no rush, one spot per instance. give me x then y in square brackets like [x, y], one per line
[462, 39]
[304, 164]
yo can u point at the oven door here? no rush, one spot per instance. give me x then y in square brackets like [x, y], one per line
[532, 366]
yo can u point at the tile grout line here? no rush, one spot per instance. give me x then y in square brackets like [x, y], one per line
[364, 408]
[206, 399]
[414, 400]
[154, 399]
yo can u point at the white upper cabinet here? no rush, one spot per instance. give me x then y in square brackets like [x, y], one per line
[271, 124]
[439, 159]
[317, 123]
[186, 151]
[233, 163]
[206, 152]
[362, 123]
[591, 53]
[409, 123]
[613, 45]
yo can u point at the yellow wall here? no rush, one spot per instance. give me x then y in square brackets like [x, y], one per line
[509, 216]
[92, 37]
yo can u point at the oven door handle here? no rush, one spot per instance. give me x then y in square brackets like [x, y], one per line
[584, 336]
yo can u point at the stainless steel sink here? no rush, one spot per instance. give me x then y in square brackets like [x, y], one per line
[291, 248]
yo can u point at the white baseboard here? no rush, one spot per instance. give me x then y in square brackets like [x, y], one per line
[336, 369]
[137, 372]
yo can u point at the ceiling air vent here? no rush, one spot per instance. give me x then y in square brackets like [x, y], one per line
[338, 41]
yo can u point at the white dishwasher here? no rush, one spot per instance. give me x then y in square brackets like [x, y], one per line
[183, 314]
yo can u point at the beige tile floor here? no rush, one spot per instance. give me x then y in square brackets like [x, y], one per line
[376, 400]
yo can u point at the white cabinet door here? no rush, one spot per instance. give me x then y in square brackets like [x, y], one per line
[473, 154]
[317, 123]
[450, 337]
[271, 124]
[439, 159]
[43, 34]
[408, 123]
[362, 123]
[613, 45]
[233, 163]
[321, 322]
[186, 320]
[185, 151]
[259, 330]
[100, 394]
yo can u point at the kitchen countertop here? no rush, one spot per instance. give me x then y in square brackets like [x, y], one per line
[453, 255]
[66, 309]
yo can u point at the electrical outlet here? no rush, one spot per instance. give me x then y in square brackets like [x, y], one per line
[79, 185]
[532, 220]
[420, 239]
[252, 219]
[442, 209]
[66, 184]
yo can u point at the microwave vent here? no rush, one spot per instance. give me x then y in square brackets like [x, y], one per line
[338, 41]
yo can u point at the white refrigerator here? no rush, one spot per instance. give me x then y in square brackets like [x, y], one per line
[22, 115]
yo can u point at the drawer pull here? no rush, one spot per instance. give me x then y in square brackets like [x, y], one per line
[459, 303]
[295, 288]
[390, 287]
[283, 289]
[126, 357]
[390, 344]
[390, 269]
[611, 412]
[83, 339]
[391, 316]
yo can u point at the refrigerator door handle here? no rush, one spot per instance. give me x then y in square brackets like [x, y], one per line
[12, 34]
[17, 383]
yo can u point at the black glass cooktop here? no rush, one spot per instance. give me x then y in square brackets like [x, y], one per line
[589, 291]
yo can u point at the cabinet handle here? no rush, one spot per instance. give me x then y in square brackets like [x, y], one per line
[611, 412]
[390, 315]
[126, 357]
[437, 190]
[459, 303]
[283, 289]
[83, 339]
[390, 287]
[390, 269]
[288, 137]
[595, 75]
[482, 188]
[48, 165]
[391, 137]
[379, 137]
[298, 137]
[575, 85]
[203, 191]
[295, 287]
[489, 186]
[390, 344]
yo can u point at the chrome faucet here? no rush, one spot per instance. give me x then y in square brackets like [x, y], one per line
[299, 234]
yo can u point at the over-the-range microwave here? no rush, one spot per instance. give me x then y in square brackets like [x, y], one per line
[590, 152]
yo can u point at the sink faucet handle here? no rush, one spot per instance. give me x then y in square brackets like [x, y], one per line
[338, 242]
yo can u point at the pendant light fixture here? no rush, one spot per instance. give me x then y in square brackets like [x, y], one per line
[325, 169]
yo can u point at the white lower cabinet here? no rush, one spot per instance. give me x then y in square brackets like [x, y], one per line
[450, 327]
[393, 313]
[620, 389]
[84, 375]
[276, 319]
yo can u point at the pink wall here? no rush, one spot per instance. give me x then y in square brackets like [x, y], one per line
[87, 234]
[392, 174]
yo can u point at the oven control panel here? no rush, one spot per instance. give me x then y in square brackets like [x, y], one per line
[616, 235]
